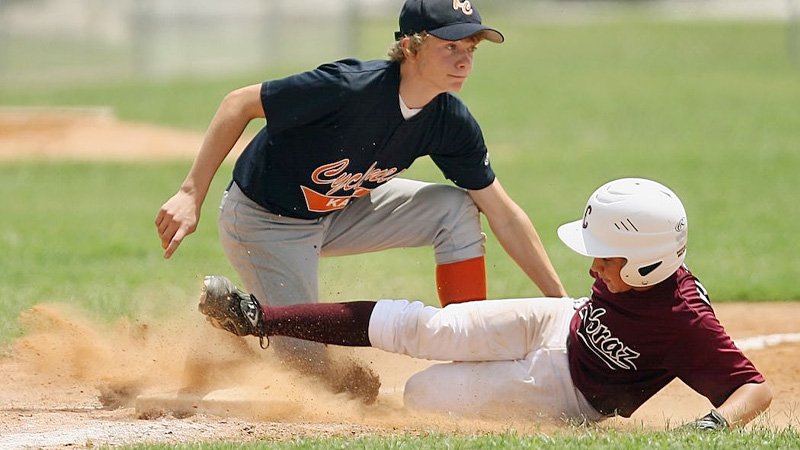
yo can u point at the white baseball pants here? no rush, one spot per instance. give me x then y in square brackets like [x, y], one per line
[512, 356]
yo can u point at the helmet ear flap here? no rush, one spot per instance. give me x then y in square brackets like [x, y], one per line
[646, 270]
[637, 275]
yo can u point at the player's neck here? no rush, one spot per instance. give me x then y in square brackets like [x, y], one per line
[413, 90]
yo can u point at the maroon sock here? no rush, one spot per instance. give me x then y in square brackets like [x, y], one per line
[330, 323]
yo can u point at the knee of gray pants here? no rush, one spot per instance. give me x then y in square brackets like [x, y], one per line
[460, 236]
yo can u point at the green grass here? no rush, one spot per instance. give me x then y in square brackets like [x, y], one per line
[710, 109]
[83, 234]
[579, 439]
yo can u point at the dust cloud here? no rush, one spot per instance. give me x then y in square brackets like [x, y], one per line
[125, 359]
[65, 354]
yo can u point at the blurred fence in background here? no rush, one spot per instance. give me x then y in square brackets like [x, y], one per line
[84, 40]
[80, 39]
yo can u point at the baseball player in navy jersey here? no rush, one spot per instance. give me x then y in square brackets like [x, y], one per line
[648, 321]
[323, 177]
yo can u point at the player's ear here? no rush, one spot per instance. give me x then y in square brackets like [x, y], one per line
[407, 44]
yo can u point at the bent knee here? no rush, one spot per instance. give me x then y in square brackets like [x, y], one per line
[460, 236]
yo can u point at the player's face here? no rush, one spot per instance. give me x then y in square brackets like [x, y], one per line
[445, 65]
[608, 270]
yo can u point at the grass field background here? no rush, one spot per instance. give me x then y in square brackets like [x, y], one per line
[577, 440]
[708, 108]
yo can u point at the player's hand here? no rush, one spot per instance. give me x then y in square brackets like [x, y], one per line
[176, 219]
[713, 421]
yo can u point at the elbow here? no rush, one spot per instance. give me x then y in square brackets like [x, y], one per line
[760, 399]
[766, 396]
[244, 101]
[746, 403]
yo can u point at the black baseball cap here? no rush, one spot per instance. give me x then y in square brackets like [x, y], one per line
[451, 20]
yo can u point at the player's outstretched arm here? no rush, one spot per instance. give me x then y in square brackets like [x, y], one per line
[518, 237]
[178, 217]
[746, 402]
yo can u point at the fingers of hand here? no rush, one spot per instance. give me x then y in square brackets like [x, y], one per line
[176, 219]
[162, 223]
[172, 229]
[168, 233]
[173, 243]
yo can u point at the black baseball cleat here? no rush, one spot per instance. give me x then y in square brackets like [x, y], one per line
[230, 309]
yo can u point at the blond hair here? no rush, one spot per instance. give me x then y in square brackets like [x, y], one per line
[396, 52]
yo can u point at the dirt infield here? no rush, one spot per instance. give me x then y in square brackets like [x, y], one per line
[69, 383]
[90, 134]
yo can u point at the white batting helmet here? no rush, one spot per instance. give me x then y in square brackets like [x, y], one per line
[633, 218]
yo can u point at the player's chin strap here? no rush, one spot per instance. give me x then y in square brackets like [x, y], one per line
[713, 421]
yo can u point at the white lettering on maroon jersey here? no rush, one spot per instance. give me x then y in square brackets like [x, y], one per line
[597, 338]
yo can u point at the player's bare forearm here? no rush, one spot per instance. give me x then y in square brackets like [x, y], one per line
[746, 403]
[519, 238]
[237, 109]
[178, 217]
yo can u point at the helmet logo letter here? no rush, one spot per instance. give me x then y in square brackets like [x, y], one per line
[586, 216]
[465, 6]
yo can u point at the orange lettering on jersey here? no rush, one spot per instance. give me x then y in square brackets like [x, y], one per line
[328, 171]
[323, 203]
[334, 175]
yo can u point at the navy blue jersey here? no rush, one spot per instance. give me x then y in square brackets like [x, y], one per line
[335, 133]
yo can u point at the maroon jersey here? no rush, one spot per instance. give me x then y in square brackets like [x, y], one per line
[623, 348]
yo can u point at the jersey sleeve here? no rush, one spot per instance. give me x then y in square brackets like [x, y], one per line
[708, 361]
[462, 156]
[302, 98]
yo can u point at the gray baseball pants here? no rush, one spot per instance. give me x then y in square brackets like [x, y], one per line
[277, 257]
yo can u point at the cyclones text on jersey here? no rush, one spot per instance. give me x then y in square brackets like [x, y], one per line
[350, 184]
